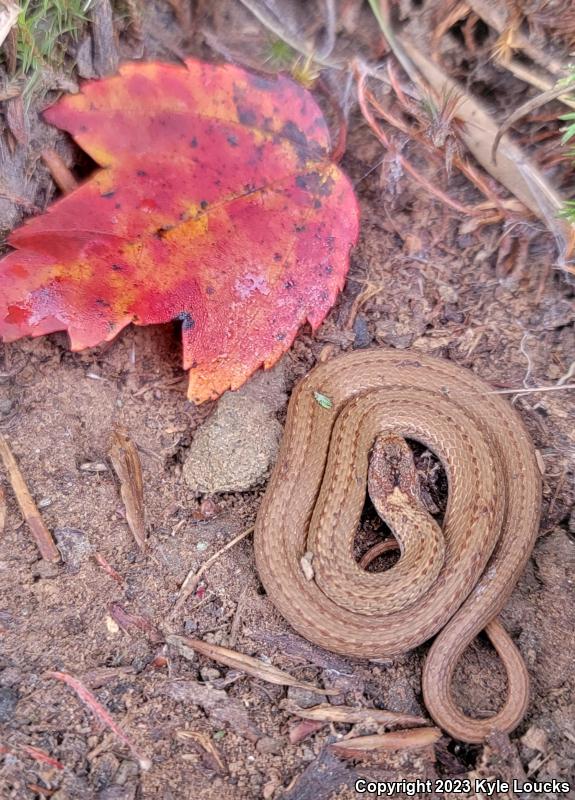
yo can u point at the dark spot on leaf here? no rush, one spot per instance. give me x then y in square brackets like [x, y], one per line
[193, 142]
[299, 228]
[210, 290]
[232, 141]
[188, 322]
[328, 269]
[83, 128]
[291, 131]
[246, 115]
[289, 284]
[117, 205]
[203, 204]
[323, 295]
[103, 303]
[161, 232]
[301, 182]
[107, 195]
[317, 203]
[277, 256]
[117, 267]
[280, 337]
[141, 173]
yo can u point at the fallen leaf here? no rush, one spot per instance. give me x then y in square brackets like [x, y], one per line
[324, 712]
[217, 205]
[413, 739]
[235, 660]
[126, 461]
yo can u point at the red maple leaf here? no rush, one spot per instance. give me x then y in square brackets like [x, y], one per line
[217, 204]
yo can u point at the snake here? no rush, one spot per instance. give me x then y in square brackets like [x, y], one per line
[451, 590]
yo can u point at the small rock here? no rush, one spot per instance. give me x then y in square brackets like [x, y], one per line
[44, 569]
[270, 746]
[361, 331]
[6, 407]
[10, 676]
[93, 466]
[535, 738]
[269, 790]
[234, 450]
[304, 698]
[74, 546]
[8, 701]
[210, 674]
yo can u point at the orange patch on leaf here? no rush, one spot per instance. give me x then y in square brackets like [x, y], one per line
[217, 205]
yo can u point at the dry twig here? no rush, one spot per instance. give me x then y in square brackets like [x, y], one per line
[193, 578]
[40, 533]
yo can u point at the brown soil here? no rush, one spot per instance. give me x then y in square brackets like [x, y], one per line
[441, 291]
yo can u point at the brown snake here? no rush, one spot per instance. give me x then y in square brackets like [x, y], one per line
[315, 497]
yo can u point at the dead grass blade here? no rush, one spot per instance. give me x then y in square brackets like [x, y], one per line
[235, 660]
[126, 463]
[496, 16]
[193, 578]
[207, 749]
[40, 533]
[101, 713]
[526, 108]
[513, 168]
[324, 712]
[108, 568]
[361, 746]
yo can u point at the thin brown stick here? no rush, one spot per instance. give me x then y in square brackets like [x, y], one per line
[533, 390]
[40, 533]
[61, 175]
[193, 578]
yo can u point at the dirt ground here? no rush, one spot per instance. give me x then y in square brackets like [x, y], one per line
[211, 732]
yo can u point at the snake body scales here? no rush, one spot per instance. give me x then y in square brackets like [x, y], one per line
[314, 500]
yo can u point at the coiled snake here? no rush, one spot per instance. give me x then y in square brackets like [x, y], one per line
[315, 497]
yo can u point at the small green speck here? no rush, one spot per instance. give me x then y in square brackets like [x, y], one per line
[219, 735]
[323, 400]
[201, 546]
